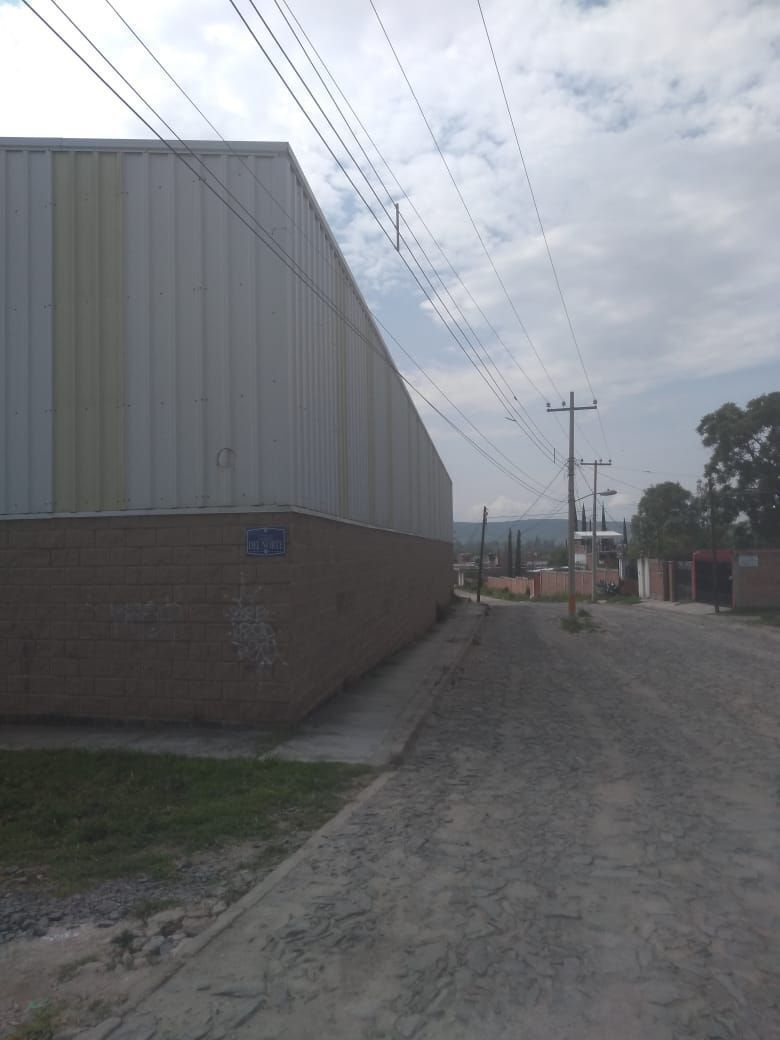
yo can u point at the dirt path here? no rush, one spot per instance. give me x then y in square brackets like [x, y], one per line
[583, 843]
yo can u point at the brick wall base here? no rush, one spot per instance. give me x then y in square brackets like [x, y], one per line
[165, 618]
[757, 584]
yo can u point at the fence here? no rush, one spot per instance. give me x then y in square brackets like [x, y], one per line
[553, 583]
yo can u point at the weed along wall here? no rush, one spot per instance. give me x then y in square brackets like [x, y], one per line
[221, 503]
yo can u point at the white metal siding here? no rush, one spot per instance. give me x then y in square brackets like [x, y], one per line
[239, 387]
[26, 331]
[206, 368]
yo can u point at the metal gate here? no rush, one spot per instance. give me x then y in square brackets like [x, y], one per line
[704, 586]
[683, 580]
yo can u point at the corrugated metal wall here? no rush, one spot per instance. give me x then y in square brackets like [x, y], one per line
[186, 366]
[88, 358]
[26, 331]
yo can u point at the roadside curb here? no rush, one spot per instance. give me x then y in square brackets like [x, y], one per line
[391, 754]
[193, 946]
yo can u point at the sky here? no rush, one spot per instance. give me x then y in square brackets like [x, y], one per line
[649, 133]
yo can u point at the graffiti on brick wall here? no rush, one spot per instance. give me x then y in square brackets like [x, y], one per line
[251, 633]
[151, 615]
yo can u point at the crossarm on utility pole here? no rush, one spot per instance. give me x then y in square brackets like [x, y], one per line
[594, 542]
[572, 508]
[481, 552]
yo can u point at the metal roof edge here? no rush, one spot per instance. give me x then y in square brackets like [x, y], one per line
[148, 144]
[329, 231]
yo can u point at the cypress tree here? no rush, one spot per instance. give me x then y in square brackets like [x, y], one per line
[518, 553]
[603, 518]
[509, 568]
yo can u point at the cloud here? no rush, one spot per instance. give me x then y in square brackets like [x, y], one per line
[650, 131]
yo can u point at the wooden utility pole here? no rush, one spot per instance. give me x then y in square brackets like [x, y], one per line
[481, 552]
[715, 590]
[594, 542]
[572, 507]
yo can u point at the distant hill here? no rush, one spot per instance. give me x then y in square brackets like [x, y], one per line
[467, 534]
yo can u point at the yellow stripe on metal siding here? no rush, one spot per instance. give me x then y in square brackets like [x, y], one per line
[88, 357]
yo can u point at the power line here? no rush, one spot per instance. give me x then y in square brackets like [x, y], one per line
[253, 174]
[259, 231]
[658, 472]
[446, 398]
[536, 206]
[538, 434]
[341, 165]
[464, 203]
[539, 218]
[236, 154]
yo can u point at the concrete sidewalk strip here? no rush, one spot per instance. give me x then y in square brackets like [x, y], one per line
[370, 723]
[682, 607]
[373, 722]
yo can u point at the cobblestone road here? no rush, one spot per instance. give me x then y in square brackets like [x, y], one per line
[582, 845]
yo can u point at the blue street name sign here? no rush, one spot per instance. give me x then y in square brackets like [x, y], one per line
[266, 541]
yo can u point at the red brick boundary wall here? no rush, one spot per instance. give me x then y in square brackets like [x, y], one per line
[552, 583]
[756, 577]
[517, 586]
[165, 618]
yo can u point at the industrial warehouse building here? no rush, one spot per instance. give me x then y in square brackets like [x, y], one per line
[217, 501]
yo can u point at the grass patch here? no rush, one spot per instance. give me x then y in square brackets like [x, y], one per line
[42, 1022]
[71, 969]
[79, 817]
[124, 940]
[146, 908]
[561, 597]
[581, 622]
[504, 594]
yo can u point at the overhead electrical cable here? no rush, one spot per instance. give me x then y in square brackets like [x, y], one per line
[539, 218]
[261, 233]
[317, 130]
[195, 156]
[241, 159]
[465, 204]
[236, 154]
[657, 472]
[297, 32]
[488, 378]
[417, 213]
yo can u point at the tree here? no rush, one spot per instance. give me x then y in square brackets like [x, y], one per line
[603, 518]
[745, 462]
[584, 522]
[559, 557]
[509, 568]
[518, 553]
[667, 524]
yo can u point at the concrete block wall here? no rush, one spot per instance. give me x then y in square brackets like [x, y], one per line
[165, 618]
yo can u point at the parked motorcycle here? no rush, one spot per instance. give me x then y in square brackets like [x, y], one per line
[607, 588]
